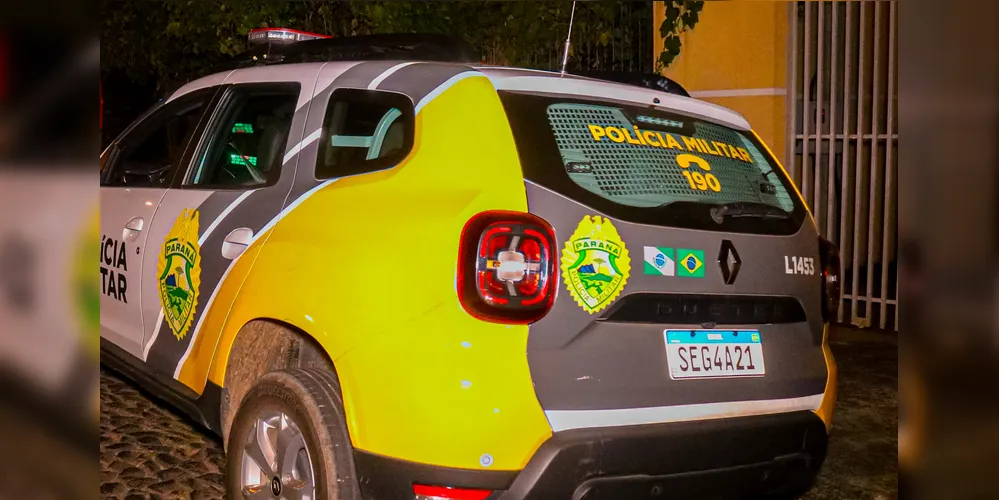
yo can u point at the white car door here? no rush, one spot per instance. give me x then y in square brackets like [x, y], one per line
[238, 182]
[140, 167]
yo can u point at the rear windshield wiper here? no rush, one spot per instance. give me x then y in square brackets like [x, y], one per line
[747, 209]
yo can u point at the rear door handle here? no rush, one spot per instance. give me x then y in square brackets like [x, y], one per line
[132, 229]
[236, 242]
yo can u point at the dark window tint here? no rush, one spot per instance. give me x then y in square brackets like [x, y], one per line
[651, 166]
[364, 131]
[150, 154]
[642, 158]
[247, 143]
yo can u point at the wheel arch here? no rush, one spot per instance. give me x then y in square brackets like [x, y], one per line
[260, 346]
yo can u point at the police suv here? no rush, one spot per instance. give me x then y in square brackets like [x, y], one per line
[379, 269]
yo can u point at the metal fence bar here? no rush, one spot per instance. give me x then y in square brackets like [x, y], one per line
[792, 79]
[853, 137]
[874, 171]
[831, 175]
[889, 177]
[846, 167]
[880, 300]
[819, 76]
[855, 285]
[806, 86]
[894, 35]
[842, 69]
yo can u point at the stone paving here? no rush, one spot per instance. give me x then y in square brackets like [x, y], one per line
[863, 450]
[148, 452]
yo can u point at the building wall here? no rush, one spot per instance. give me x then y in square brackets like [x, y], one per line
[736, 57]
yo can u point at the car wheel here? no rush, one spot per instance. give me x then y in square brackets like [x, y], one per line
[289, 440]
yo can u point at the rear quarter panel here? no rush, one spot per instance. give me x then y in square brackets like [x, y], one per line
[366, 265]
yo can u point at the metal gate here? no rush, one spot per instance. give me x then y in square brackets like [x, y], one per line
[843, 140]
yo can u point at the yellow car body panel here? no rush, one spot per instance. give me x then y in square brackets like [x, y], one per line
[828, 405]
[208, 353]
[439, 386]
[460, 396]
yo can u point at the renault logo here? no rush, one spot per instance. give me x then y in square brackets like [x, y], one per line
[729, 261]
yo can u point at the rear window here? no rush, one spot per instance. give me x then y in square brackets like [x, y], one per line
[364, 131]
[650, 166]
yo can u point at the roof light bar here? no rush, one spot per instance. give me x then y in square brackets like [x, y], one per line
[275, 46]
[281, 36]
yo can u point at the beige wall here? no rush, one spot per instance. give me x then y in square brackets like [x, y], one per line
[736, 57]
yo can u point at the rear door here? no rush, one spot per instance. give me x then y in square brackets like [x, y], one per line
[675, 301]
[237, 183]
[138, 169]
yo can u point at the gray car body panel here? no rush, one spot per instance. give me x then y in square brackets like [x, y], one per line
[581, 363]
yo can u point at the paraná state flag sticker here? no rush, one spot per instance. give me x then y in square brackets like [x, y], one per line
[660, 261]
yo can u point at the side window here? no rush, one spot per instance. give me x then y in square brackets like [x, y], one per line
[246, 145]
[364, 131]
[151, 153]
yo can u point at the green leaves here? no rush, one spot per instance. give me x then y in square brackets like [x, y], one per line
[681, 16]
[176, 41]
[672, 14]
[690, 17]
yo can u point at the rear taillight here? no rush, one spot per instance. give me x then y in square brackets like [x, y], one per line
[506, 267]
[423, 492]
[831, 288]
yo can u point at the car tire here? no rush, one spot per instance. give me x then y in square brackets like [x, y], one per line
[262, 347]
[294, 417]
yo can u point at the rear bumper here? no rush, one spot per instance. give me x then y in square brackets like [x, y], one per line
[745, 455]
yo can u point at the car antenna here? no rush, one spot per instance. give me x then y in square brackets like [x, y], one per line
[568, 38]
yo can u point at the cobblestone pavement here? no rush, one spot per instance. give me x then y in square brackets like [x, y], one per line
[149, 452]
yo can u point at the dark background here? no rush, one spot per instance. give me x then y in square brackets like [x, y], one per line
[149, 49]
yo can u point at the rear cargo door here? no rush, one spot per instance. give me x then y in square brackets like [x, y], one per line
[689, 267]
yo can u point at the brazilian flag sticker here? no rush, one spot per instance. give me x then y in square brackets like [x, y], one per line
[689, 263]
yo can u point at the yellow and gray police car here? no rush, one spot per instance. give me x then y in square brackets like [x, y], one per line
[379, 269]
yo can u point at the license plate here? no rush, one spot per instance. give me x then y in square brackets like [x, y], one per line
[714, 353]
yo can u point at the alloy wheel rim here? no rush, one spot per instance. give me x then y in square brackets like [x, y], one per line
[276, 463]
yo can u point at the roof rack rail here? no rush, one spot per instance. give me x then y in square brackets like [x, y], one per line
[405, 46]
[647, 80]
